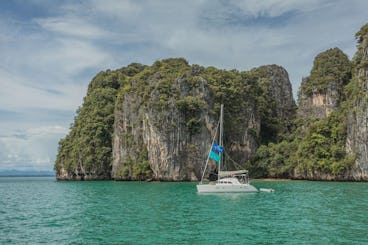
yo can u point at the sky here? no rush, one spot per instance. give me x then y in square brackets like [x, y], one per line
[50, 51]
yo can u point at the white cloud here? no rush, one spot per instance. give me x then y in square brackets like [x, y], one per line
[273, 8]
[46, 131]
[18, 93]
[33, 149]
[73, 27]
[72, 56]
[117, 7]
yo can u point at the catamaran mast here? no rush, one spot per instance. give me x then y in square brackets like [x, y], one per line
[208, 157]
[220, 139]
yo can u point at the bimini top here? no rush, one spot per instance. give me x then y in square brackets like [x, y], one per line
[232, 173]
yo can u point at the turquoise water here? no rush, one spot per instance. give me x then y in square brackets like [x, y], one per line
[37, 210]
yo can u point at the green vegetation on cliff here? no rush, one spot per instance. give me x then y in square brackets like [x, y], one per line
[86, 152]
[322, 149]
[316, 146]
[178, 95]
[308, 152]
[356, 91]
[331, 65]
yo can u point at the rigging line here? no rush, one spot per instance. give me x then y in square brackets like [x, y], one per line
[235, 163]
[205, 167]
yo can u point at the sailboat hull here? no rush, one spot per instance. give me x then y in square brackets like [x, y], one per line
[226, 188]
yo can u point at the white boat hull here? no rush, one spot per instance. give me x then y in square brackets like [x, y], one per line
[225, 188]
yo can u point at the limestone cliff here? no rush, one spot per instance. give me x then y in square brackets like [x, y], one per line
[86, 152]
[166, 117]
[322, 92]
[280, 107]
[357, 135]
[337, 86]
[321, 134]
[315, 148]
[156, 122]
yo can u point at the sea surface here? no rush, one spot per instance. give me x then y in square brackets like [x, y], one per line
[40, 210]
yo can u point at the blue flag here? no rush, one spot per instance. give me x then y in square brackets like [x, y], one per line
[215, 156]
[217, 148]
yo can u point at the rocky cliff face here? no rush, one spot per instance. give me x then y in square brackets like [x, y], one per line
[157, 122]
[165, 118]
[318, 105]
[329, 89]
[279, 111]
[86, 152]
[279, 90]
[322, 92]
[156, 142]
[319, 140]
[357, 135]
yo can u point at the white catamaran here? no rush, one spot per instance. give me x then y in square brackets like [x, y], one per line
[227, 181]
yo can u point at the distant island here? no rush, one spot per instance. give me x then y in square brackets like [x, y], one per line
[154, 122]
[16, 173]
